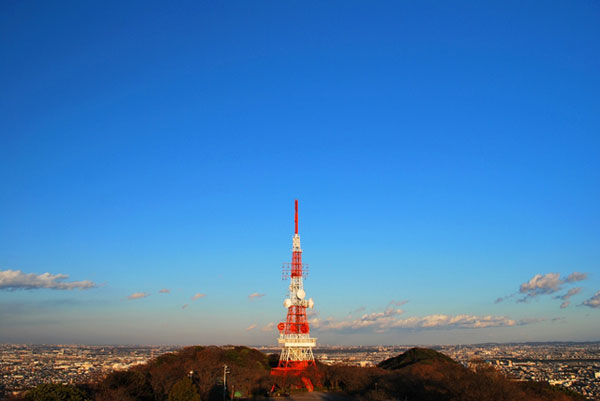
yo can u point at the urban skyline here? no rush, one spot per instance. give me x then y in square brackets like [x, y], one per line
[446, 157]
[571, 365]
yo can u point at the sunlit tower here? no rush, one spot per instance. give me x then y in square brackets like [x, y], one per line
[294, 333]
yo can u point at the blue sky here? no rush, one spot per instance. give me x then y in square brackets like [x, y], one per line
[444, 156]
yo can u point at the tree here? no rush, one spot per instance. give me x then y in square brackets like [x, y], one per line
[56, 392]
[127, 385]
[184, 390]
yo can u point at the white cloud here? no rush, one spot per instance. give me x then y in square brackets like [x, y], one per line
[593, 302]
[566, 297]
[251, 327]
[398, 303]
[532, 320]
[198, 296]
[570, 293]
[255, 295]
[575, 276]
[138, 295]
[165, 291]
[541, 284]
[545, 284]
[269, 327]
[17, 280]
[358, 310]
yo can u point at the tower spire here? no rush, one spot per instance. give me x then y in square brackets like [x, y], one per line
[296, 218]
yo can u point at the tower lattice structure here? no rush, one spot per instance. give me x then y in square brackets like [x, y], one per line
[294, 333]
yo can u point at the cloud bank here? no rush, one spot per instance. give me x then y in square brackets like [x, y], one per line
[17, 280]
[390, 319]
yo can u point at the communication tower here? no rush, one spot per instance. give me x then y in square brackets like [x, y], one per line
[294, 333]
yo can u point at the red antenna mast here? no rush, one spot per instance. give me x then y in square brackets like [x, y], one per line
[294, 333]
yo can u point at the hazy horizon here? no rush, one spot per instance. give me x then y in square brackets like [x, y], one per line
[276, 346]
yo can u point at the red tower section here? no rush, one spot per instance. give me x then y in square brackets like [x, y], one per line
[294, 333]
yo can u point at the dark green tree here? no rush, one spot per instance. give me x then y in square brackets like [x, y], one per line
[56, 392]
[184, 390]
[131, 385]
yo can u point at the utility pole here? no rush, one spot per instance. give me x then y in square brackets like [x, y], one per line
[226, 371]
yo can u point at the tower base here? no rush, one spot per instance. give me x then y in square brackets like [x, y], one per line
[296, 369]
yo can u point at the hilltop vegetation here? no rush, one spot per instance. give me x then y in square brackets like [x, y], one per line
[425, 374]
[168, 377]
[418, 374]
[415, 355]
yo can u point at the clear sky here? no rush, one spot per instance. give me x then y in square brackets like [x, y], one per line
[446, 157]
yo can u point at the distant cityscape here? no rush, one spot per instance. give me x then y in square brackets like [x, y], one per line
[573, 365]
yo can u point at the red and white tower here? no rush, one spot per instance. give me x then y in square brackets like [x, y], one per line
[294, 333]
